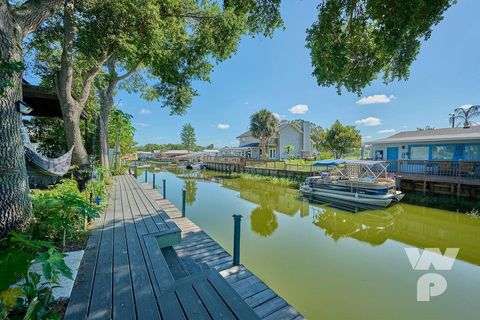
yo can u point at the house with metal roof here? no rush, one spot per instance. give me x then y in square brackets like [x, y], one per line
[288, 133]
[435, 144]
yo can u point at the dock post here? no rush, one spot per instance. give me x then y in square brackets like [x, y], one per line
[237, 219]
[146, 175]
[164, 189]
[184, 192]
[153, 184]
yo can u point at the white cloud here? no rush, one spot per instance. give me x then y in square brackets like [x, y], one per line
[145, 111]
[142, 124]
[299, 109]
[386, 131]
[369, 121]
[366, 137]
[376, 98]
[223, 126]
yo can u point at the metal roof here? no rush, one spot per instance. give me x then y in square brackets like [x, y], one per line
[445, 134]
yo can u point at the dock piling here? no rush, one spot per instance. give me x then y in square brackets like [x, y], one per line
[164, 189]
[237, 220]
[146, 172]
[153, 184]
[184, 192]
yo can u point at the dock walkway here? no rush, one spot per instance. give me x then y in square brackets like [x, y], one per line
[144, 261]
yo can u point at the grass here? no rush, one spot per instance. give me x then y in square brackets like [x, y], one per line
[461, 205]
[284, 182]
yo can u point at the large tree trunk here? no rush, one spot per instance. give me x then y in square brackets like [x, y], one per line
[72, 107]
[73, 135]
[15, 23]
[106, 105]
[15, 207]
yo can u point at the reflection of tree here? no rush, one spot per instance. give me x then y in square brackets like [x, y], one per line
[263, 221]
[191, 191]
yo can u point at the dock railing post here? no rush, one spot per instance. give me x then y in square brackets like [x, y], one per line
[184, 192]
[164, 189]
[153, 184]
[237, 219]
[146, 175]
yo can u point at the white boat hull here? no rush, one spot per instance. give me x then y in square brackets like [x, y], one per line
[379, 201]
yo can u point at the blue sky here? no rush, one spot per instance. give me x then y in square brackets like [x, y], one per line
[276, 74]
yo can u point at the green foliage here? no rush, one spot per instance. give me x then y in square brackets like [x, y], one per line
[289, 148]
[339, 140]
[188, 137]
[49, 134]
[31, 299]
[263, 125]
[60, 211]
[121, 127]
[286, 182]
[7, 71]
[354, 41]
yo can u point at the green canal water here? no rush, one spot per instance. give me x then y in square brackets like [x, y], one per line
[331, 263]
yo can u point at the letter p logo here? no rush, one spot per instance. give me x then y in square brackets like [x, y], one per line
[430, 285]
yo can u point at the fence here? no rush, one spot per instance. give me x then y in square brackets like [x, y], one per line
[441, 168]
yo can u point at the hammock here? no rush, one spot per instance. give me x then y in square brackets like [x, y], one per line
[46, 166]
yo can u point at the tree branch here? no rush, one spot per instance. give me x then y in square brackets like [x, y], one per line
[129, 73]
[32, 13]
[89, 77]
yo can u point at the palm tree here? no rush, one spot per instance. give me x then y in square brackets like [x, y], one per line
[466, 113]
[263, 125]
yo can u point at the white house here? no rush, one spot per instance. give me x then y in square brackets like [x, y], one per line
[288, 133]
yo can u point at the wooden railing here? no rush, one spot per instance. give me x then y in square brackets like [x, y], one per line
[454, 169]
[441, 168]
[230, 160]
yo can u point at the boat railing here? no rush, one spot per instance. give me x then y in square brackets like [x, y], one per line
[443, 168]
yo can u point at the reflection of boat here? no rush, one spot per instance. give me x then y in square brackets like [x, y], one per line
[359, 181]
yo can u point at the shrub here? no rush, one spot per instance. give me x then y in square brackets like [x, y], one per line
[60, 211]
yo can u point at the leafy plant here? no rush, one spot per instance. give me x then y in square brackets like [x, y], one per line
[33, 298]
[60, 211]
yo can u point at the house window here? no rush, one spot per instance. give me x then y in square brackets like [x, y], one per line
[443, 152]
[378, 154]
[472, 152]
[418, 153]
[273, 153]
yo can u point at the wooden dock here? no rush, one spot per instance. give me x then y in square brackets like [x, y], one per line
[144, 261]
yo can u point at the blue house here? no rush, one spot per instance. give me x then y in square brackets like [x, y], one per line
[436, 144]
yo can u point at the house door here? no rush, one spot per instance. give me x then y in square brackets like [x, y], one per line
[392, 154]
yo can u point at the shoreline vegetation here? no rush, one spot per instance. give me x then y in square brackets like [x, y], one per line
[284, 182]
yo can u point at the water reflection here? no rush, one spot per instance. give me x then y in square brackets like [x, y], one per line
[412, 225]
[263, 221]
[190, 191]
[408, 224]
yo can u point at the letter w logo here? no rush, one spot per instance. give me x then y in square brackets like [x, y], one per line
[431, 256]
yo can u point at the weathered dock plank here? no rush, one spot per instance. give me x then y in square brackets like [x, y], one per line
[126, 274]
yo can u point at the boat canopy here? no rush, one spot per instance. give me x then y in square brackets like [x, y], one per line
[329, 162]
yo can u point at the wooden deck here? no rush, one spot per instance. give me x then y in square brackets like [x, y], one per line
[131, 271]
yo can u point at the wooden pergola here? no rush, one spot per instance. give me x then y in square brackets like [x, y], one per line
[43, 102]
